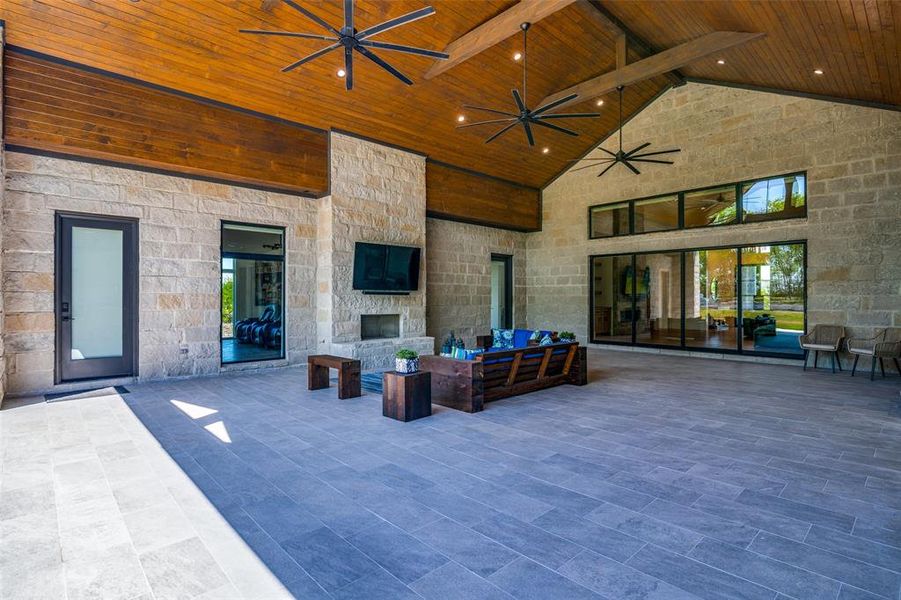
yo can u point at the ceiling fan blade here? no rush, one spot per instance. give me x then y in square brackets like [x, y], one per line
[602, 149]
[310, 57]
[555, 128]
[570, 116]
[582, 168]
[656, 153]
[491, 110]
[507, 120]
[610, 166]
[631, 167]
[602, 158]
[634, 150]
[651, 160]
[553, 104]
[371, 56]
[308, 36]
[407, 49]
[528, 130]
[501, 132]
[348, 68]
[349, 15]
[311, 16]
[396, 22]
[518, 99]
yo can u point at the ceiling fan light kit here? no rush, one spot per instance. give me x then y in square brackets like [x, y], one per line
[525, 116]
[348, 39]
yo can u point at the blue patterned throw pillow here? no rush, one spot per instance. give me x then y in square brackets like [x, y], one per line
[536, 336]
[503, 338]
[546, 341]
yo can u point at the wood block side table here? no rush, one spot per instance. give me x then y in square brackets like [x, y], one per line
[406, 397]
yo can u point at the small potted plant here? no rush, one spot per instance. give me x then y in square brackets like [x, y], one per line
[567, 336]
[406, 361]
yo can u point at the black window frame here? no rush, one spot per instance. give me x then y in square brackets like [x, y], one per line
[739, 207]
[738, 350]
[282, 258]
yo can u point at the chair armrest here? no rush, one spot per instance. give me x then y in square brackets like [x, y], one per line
[887, 349]
[804, 339]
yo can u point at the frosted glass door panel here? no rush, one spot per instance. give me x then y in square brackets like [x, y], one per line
[96, 293]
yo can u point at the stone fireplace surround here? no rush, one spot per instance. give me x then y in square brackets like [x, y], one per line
[378, 194]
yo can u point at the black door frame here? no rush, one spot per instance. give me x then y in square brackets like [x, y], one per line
[128, 365]
[507, 260]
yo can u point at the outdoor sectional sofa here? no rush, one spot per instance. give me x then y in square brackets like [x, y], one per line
[467, 384]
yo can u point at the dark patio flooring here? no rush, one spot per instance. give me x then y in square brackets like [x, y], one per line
[664, 478]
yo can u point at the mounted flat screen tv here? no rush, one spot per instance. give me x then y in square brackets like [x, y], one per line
[384, 269]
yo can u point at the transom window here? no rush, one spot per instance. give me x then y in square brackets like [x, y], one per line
[772, 198]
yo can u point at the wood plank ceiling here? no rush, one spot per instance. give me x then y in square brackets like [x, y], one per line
[194, 46]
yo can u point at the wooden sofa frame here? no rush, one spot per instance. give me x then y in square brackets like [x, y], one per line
[467, 384]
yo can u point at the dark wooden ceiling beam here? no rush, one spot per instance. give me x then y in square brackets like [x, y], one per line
[495, 31]
[658, 64]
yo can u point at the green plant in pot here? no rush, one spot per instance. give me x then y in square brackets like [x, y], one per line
[566, 336]
[406, 361]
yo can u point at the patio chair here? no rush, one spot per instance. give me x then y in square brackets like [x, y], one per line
[823, 338]
[885, 344]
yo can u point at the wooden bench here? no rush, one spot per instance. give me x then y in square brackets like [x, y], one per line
[348, 374]
[467, 384]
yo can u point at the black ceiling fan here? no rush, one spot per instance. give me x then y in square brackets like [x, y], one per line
[626, 158]
[350, 39]
[524, 116]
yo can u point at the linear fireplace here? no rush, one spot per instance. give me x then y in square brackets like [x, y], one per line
[374, 327]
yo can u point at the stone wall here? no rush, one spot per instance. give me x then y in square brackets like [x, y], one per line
[852, 156]
[179, 232]
[377, 195]
[459, 277]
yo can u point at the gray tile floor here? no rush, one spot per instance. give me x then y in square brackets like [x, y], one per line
[664, 478]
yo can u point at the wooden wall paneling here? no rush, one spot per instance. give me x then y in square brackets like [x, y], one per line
[456, 194]
[61, 108]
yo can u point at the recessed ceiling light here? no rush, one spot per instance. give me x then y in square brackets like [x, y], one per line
[600, 103]
[818, 71]
[517, 56]
[341, 73]
[545, 150]
[721, 62]
[461, 118]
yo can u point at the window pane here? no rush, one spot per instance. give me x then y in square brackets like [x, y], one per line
[610, 220]
[710, 299]
[714, 206]
[612, 303]
[252, 293]
[657, 214]
[658, 298]
[97, 258]
[772, 298]
[251, 239]
[777, 198]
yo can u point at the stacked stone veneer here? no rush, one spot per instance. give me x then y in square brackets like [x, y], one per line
[377, 195]
[179, 272]
[459, 277]
[852, 156]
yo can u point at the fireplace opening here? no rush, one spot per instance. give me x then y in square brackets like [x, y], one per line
[373, 327]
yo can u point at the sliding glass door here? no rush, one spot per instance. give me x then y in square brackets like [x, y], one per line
[772, 298]
[711, 303]
[738, 299]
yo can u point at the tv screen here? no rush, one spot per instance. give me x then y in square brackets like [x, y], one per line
[383, 268]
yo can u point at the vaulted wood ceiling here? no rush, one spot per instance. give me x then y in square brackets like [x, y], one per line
[194, 46]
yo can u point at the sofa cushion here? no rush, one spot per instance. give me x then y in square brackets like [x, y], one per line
[503, 339]
[521, 338]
